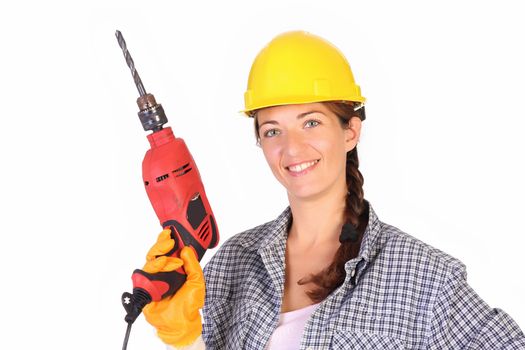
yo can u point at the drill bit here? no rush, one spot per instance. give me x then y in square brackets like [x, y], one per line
[131, 64]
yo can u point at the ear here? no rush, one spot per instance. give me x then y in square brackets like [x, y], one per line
[352, 133]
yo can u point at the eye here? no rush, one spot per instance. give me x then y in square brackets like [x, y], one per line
[270, 133]
[312, 123]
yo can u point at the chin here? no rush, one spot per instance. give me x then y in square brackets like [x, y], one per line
[304, 193]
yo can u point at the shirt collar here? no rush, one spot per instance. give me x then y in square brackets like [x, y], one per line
[275, 231]
[372, 238]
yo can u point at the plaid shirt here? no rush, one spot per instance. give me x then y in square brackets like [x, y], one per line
[399, 293]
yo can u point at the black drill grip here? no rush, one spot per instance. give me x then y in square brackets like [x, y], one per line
[159, 285]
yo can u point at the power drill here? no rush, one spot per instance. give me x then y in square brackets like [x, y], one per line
[176, 192]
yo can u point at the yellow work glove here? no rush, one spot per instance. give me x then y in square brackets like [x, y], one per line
[176, 318]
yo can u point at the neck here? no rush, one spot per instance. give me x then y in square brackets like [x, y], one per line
[316, 221]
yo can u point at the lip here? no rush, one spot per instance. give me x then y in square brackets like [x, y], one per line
[304, 171]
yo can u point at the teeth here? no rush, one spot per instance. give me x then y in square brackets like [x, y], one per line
[302, 166]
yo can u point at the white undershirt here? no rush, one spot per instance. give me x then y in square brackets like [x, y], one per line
[287, 335]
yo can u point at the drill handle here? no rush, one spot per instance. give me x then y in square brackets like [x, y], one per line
[158, 285]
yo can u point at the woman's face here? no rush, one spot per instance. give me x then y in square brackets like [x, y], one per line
[305, 147]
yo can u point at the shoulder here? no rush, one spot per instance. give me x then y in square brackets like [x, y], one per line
[250, 239]
[245, 245]
[409, 254]
[237, 256]
[410, 275]
[399, 253]
[241, 244]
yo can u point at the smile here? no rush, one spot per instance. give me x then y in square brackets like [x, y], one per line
[299, 168]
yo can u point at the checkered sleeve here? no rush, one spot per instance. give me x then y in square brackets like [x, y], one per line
[462, 320]
[219, 274]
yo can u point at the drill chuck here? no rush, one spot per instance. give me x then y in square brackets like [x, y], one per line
[151, 113]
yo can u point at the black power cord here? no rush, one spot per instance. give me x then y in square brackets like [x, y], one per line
[126, 338]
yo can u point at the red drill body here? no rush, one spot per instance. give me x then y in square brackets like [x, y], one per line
[176, 192]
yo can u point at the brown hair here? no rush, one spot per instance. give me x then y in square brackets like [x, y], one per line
[356, 212]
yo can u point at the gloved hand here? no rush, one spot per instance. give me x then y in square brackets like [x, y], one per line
[176, 318]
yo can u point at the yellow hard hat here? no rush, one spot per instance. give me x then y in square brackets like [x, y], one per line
[299, 67]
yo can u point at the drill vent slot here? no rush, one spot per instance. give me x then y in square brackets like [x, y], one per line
[205, 234]
[182, 170]
[205, 229]
[185, 172]
[162, 177]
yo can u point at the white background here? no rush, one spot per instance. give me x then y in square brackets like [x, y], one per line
[441, 150]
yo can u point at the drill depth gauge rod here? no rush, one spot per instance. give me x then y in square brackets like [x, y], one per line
[176, 192]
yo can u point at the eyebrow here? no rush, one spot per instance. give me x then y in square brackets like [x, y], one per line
[299, 116]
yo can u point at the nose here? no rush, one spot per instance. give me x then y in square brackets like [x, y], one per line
[293, 143]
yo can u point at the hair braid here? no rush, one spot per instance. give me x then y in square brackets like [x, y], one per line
[354, 180]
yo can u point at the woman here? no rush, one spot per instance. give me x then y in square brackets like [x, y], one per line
[327, 273]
